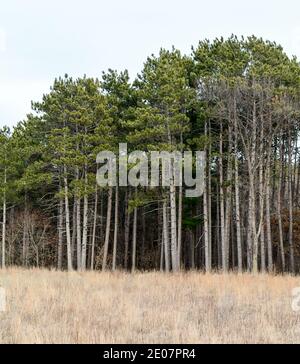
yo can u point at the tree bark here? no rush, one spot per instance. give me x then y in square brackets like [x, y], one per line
[237, 193]
[114, 263]
[4, 222]
[60, 233]
[134, 232]
[94, 229]
[67, 219]
[166, 237]
[85, 222]
[127, 230]
[222, 202]
[107, 231]
[290, 204]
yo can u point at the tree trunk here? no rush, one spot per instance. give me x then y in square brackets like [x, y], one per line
[94, 229]
[205, 216]
[107, 231]
[4, 222]
[261, 201]
[179, 227]
[134, 232]
[60, 233]
[127, 230]
[290, 204]
[166, 236]
[237, 193]
[222, 204]
[174, 254]
[85, 222]
[114, 263]
[280, 232]
[67, 219]
[228, 200]
[268, 215]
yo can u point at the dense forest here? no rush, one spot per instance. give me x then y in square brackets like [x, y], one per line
[235, 99]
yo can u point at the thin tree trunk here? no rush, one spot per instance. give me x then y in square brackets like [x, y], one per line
[252, 191]
[222, 204]
[73, 239]
[134, 232]
[174, 254]
[67, 214]
[78, 232]
[161, 265]
[179, 227]
[237, 193]
[268, 215]
[228, 200]
[205, 214]
[85, 222]
[4, 221]
[166, 237]
[262, 200]
[127, 230]
[192, 250]
[290, 204]
[107, 231]
[114, 263]
[60, 233]
[209, 208]
[279, 212]
[94, 229]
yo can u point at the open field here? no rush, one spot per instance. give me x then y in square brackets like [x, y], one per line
[56, 307]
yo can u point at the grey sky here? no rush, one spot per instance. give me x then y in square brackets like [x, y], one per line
[42, 39]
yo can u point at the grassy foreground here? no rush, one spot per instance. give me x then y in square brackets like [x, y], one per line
[57, 307]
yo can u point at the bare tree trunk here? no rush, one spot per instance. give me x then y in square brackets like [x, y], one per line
[78, 213]
[161, 265]
[205, 215]
[4, 221]
[60, 233]
[228, 199]
[94, 228]
[85, 222]
[252, 230]
[268, 215]
[107, 231]
[192, 250]
[209, 201]
[78, 232]
[262, 200]
[252, 190]
[67, 213]
[237, 193]
[127, 230]
[290, 204]
[179, 227]
[116, 228]
[166, 237]
[133, 266]
[279, 212]
[222, 207]
[174, 255]
[73, 238]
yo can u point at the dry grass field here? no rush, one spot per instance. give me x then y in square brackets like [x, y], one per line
[56, 307]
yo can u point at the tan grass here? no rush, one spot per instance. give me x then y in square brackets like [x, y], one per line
[57, 307]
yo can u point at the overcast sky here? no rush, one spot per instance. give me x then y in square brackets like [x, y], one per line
[42, 39]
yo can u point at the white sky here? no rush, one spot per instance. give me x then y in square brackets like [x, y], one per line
[42, 39]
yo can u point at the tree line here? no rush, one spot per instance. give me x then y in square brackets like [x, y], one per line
[235, 99]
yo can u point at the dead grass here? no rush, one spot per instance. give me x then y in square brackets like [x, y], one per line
[57, 307]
